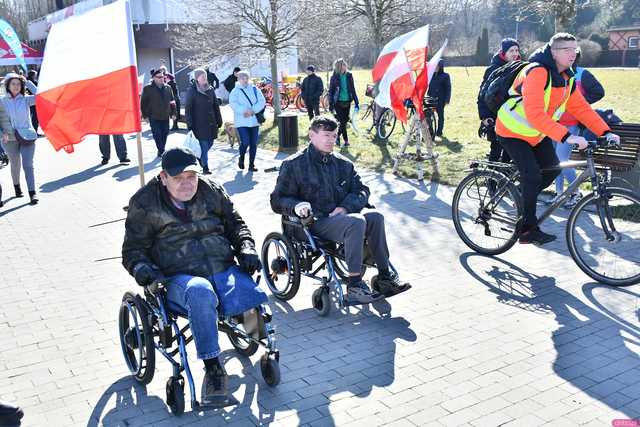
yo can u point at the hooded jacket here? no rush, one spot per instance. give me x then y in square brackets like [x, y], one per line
[497, 61]
[246, 98]
[326, 181]
[440, 85]
[202, 112]
[531, 85]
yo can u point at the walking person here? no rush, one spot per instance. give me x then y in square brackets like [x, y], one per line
[311, 91]
[509, 52]
[440, 88]
[212, 78]
[18, 134]
[32, 76]
[342, 91]
[118, 143]
[248, 105]
[158, 105]
[202, 113]
[593, 92]
[171, 81]
[230, 82]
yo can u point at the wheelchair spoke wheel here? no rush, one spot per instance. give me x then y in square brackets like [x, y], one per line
[281, 266]
[486, 210]
[340, 265]
[136, 338]
[241, 342]
[603, 236]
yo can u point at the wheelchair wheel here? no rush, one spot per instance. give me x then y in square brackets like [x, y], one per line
[281, 266]
[270, 369]
[243, 345]
[340, 265]
[175, 395]
[321, 301]
[136, 338]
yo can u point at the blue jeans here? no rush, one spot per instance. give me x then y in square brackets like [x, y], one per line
[205, 146]
[118, 142]
[248, 139]
[563, 151]
[160, 132]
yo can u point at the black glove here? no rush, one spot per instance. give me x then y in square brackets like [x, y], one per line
[146, 274]
[248, 258]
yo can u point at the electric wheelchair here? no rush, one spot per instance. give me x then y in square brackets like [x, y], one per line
[296, 252]
[148, 323]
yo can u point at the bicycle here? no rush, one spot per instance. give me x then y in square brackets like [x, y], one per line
[429, 107]
[266, 88]
[602, 231]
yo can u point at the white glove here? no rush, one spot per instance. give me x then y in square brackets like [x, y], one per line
[612, 138]
[577, 140]
[302, 209]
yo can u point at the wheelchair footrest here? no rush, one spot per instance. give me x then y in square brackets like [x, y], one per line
[397, 291]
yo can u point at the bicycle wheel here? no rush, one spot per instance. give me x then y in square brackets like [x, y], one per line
[367, 111]
[614, 261]
[432, 123]
[486, 210]
[284, 101]
[300, 105]
[386, 124]
[324, 102]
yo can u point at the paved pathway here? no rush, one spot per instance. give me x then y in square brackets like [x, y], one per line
[523, 339]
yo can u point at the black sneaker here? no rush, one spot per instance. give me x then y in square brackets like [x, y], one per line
[359, 293]
[10, 415]
[215, 387]
[206, 172]
[104, 161]
[536, 236]
[125, 160]
[388, 284]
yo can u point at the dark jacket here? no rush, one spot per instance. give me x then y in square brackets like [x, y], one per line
[326, 181]
[591, 87]
[202, 112]
[213, 79]
[230, 82]
[334, 90]
[155, 102]
[312, 87]
[496, 62]
[440, 86]
[202, 245]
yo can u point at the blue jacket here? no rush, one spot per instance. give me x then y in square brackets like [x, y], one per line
[239, 104]
[15, 113]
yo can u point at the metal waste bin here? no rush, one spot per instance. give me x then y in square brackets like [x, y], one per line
[288, 131]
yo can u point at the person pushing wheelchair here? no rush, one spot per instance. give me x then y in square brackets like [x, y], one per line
[183, 230]
[318, 182]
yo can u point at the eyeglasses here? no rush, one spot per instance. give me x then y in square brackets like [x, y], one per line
[568, 49]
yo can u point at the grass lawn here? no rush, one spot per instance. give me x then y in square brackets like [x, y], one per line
[461, 142]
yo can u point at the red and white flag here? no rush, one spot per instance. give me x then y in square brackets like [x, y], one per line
[402, 71]
[89, 81]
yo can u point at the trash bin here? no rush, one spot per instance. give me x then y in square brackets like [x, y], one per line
[288, 130]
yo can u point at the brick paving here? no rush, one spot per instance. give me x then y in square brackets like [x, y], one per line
[524, 339]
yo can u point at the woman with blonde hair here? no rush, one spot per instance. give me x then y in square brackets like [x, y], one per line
[342, 91]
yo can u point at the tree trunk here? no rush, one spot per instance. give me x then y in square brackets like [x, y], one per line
[275, 101]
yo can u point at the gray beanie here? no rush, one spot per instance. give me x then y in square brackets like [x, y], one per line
[197, 72]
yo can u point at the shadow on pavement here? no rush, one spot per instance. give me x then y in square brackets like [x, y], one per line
[6, 211]
[124, 174]
[593, 348]
[241, 183]
[76, 178]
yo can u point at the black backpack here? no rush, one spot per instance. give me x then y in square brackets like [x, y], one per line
[495, 89]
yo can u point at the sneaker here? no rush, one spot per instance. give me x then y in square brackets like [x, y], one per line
[125, 160]
[104, 161]
[550, 199]
[573, 200]
[389, 284]
[241, 164]
[215, 386]
[346, 143]
[253, 168]
[536, 236]
[10, 415]
[206, 172]
[359, 293]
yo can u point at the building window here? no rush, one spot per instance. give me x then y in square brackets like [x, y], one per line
[633, 42]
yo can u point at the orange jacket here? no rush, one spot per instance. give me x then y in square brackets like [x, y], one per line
[532, 86]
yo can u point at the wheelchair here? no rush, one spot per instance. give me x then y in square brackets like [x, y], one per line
[147, 324]
[296, 252]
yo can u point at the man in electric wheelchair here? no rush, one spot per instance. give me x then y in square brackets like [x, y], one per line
[183, 230]
[318, 182]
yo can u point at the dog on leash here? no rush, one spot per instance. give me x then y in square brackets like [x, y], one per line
[232, 134]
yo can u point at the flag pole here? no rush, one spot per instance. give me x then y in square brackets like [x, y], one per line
[140, 159]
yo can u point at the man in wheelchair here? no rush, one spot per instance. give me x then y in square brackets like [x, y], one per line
[318, 182]
[184, 231]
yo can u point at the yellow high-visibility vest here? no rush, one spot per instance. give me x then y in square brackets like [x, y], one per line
[512, 114]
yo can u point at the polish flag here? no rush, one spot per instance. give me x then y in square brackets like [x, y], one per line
[402, 71]
[89, 82]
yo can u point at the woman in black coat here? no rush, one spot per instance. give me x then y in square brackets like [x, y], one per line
[203, 115]
[341, 92]
[440, 88]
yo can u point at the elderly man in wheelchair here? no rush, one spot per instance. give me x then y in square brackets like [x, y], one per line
[184, 232]
[317, 182]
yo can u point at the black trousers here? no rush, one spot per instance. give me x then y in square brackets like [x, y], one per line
[313, 107]
[496, 152]
[343, 108]
[440, 111]
[530, 160]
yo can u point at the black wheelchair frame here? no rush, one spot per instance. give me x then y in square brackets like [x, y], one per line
[299, 253]
[146, 325]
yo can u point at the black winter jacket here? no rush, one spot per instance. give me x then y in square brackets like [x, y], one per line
[213, 79]
[155, 102]
[230, 82]
[440, 86]
[483, 111]
[326, 181]
[312, 87]
[203, 245]
[334, 90]
[202, 112]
